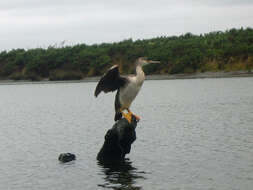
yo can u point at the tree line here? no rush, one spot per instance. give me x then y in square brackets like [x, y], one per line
[230, 50]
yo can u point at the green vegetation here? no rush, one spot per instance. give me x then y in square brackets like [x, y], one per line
[216, 51]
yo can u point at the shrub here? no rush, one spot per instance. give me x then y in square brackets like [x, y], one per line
[17, 76]
[57, 75]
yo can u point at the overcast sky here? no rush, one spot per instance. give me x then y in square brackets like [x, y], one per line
[40, 23]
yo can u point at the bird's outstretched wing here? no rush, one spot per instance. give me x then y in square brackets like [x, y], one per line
[110, 81]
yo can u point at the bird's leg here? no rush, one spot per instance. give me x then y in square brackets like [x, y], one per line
[131, 113]
[128, 116]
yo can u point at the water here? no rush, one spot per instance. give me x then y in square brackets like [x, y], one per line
[194, 134]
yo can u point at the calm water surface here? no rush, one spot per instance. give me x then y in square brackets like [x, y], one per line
[194, 134]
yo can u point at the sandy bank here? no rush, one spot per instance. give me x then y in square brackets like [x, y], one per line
[149, 77]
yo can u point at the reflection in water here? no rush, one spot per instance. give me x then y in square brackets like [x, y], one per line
[120, 175]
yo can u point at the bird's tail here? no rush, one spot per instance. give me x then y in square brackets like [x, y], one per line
[118, 116]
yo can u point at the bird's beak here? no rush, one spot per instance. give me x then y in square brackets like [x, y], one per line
[150, 61]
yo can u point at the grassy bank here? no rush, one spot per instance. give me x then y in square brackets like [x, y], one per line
[217, 51]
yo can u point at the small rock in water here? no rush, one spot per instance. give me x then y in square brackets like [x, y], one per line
[66, 157]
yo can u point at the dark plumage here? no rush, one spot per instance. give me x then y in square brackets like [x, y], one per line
[110, 81]
[117, 106]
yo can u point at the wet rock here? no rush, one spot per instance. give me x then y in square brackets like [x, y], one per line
[66, 157]
[118, 140]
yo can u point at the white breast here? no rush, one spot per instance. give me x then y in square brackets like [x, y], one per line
[128, 94]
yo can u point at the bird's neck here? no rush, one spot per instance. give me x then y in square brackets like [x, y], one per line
[140, 75]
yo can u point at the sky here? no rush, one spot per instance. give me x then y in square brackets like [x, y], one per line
[41, 23]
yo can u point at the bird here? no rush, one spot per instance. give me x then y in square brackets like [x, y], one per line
[127, 87]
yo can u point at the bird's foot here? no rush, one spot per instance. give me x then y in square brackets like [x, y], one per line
[137, 117]
[129, 116]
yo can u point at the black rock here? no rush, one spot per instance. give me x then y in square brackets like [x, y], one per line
[118, 140]
[66, 157]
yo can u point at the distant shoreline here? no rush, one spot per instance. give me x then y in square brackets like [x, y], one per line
[219, 74]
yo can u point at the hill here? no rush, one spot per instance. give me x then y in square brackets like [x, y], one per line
[231, 50]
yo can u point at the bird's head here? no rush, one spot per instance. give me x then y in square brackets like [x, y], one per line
[143, 61]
